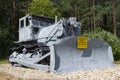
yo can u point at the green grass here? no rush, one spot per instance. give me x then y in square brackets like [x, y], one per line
[117, 62]
[3, 61]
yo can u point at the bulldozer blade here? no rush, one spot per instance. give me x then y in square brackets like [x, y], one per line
[67, 58]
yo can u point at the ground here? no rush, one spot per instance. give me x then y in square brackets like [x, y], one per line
[8, 72]
[4, 76]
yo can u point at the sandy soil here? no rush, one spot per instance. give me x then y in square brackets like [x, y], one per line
[4, 76]
[8, 72]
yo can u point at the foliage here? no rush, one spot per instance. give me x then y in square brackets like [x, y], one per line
[112, 39]
[9, 23]
[91, 13]
[6, 39]
[65, 7]
[43, 7]
[4, 61]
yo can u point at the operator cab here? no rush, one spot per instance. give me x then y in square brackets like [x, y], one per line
[30, 26]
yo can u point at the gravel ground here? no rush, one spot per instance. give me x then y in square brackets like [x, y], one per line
[8, 72]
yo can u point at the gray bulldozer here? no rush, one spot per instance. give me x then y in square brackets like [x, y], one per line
[57, 46]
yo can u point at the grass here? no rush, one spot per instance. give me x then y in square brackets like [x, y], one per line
[117, 62]
[3, 61]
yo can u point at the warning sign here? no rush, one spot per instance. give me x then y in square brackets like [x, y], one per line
[82, 42]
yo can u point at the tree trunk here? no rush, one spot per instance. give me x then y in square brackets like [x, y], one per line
[114, 16]
[14, 16]
[75, 10]
[94, 23]
[14, 8]
[27, 6]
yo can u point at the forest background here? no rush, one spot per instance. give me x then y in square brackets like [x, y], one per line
[99, 19]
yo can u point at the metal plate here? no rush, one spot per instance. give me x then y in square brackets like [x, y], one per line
[82, 42]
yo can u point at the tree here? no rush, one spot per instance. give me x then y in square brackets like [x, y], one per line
[43, 7]
[91, 13]
[118, 17]
[94, 21]
[114, 15]
[10, 12]
[67, 8]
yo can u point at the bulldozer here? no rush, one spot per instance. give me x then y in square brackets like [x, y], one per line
[58, 46]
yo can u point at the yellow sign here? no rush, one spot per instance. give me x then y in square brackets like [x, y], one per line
[82, 42]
